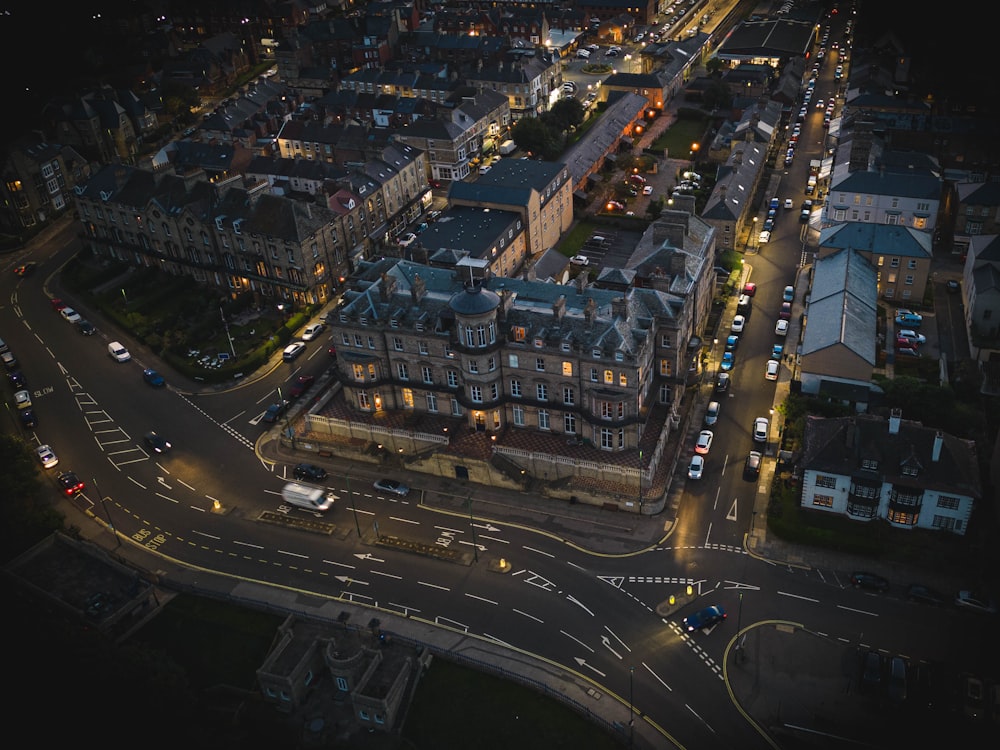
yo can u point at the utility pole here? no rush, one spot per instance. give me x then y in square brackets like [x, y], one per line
[354, 508]
[111, 523]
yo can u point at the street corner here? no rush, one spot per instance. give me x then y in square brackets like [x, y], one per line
[677, 600]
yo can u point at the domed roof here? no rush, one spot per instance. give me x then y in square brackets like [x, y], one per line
[474, 300]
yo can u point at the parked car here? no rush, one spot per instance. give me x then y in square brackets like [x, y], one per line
[788, 295]
[785, 313]
[22, 399]
[750, 289]
[392, 486]
[722, 382]
[301, 385]
[275, 411]
[751, 469]
[871, 674]
[870, 581]
[118, 352]
[704, 442]
[697, 467]
[897, 679]
[712, 413]
[760, 430]
[781, 327]
[71, 315]
[738, 324]
[976, 602]
[85, 327]
[704, 618]
[9, 360]
[771, 369]
[910, 335]
[763, 237]
[580, 260]
[47, 456]
[409, 238]
[917, 592]
[732, 341]
[908, 318]
[309, 472]
[728, 360]
[28, 419]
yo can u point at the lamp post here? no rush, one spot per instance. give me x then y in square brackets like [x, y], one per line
[640, 481]
[631, 709]
[472, 525]
[111, 523]
[751, 233]
[694, 152]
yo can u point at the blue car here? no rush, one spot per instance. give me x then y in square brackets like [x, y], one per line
[153, 378]
[732, 342]
[727, 361]
[776, 351]
[908, 318]
[704, 618]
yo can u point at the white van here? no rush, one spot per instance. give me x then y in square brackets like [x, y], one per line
[308, 497]
[584, 53]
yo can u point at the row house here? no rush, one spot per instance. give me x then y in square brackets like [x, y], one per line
[477, 124]
[37, 182]
[97, 125]
[218, 234]
[456, 50]
[503, 353]
[251, 118]
[404, 80]
[866, 467]
[884, 196]
[529, 81]
[731, 205]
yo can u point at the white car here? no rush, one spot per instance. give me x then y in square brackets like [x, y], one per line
[23, 399]
[313, 331]
[409, 238]
[704, 442]
[580, 260]
[771, 370]
[118, 352]
[760, 430]
[47, 456]
[697, 467]
[292, 351]
[781, 327]
[789, 203]
[647, 190]
[911, 335]
[712, 413]
[764, 237]
[739, 322]
[70, 314]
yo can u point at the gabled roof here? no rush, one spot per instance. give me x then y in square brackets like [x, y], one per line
[881, 239]
[843, 306]
[904, 186]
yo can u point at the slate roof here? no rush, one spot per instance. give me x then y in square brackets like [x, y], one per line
[843, 306]
[978, 193]
[914, 186]
[839, 445]
[779, 38]
[881, 239]
[510, 182]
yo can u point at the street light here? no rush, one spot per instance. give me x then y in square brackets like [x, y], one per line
[631, 710]
[472, 525]
[751, 233]
[354, 508]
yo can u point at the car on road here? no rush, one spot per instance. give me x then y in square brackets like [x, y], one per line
[781, 327]
[28, 419]
[275, 411]
[697, 467]
[776, 350]
[976, 602]
[70, 483]
[763, 237]
[712, 413]
[118, 352]
[313, 331]
[871, 671]
[739, 322]
[771, 369]
[647, 190]
[953, 286]
[156, 442]
[749, 289]
[302, 384]
[917, 592]
[153, 378]
[391, 486]
[309, 472]
[788, 295]
[17, 380]
[71, 315]
[760, 430]
[728, 360]
[863, 580]
[292, 351]
[804, 214]
[57, 304]
[704, 442]
[9, 360]
[22, 399]
[704, 618]
[786, 311]
[909, 334]
[908, 318]
[743, 304]
[26, 269]
[732, 341]
[580, 260]
[47, 456]
[751, 468]
[789, 203]
[722, 382]
[85, 327]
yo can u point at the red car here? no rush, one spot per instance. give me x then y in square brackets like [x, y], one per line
[301, 385]
[57, 304]
[435, 183]
[749, 289]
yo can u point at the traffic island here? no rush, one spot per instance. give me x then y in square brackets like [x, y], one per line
[499, 565]
[676, 601]
[422, 548]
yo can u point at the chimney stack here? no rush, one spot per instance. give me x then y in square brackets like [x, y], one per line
[938, 443]
[894, 419]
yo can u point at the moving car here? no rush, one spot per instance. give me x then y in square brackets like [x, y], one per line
[391, 486]
[70, 483]
[47, 456]
[789, 203]
[704, 443]
[309, 472]
[771, 369]
[156, 442]
[274, 412]
[760, 430]
[118, 352]
[26, 269]
[301, 385]
[870, 581]
[580, 260]
[313, 331]
[697, 467]
[908, 318]
[292, 351]
[153, 378]
[704, 618]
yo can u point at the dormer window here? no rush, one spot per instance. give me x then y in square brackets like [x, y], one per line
[869, 464]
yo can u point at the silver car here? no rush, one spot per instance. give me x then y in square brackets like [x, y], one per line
[392, 487]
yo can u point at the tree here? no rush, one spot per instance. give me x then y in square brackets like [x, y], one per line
[533, 134]
[565, 114]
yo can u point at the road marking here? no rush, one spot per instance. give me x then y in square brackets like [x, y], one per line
[386, 575]
[577, 640]
[532, 549]
[530, 617]
[583, 663]
[434, 586]
[488, 601]
[580, 605]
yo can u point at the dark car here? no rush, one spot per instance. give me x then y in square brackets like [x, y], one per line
[28, 418]
[156, 442]
[751, 469]
[301, 385]
[26, 269]
[309, 472]
[392, 486]
[153, 378]
[871, 671]
[786, 311]
[85, 327]
[704, 618]
[70, 483]
[869, 581]
[917, 592]
[274, 412]
[722, 382]
[17, 380]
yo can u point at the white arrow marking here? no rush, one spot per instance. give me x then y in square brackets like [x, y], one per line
[607, 644]
[576, 602]
[731, 515]
[348, 580]
[617, 638]
[367, 556]
[583, 663]
[160, 480]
